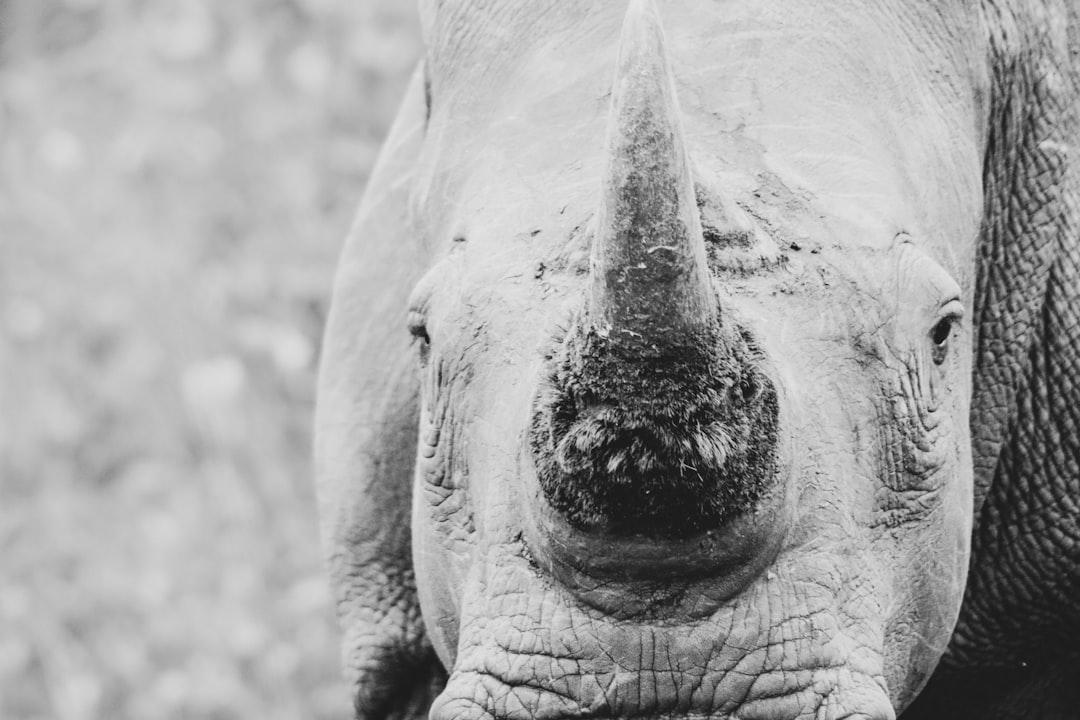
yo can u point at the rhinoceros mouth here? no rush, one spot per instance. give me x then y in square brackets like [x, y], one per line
[490, 698]
[792, 646]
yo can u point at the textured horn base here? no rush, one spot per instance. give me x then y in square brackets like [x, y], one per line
[659, 441]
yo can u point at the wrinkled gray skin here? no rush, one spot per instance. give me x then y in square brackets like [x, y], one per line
[894, 164]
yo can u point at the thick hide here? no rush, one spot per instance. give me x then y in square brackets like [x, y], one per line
[699, 359]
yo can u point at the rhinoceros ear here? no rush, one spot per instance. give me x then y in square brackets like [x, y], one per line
[365, 446]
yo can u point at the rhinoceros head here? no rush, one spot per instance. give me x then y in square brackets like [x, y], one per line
[694, 367]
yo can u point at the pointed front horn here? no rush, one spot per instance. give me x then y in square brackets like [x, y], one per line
[649, 276]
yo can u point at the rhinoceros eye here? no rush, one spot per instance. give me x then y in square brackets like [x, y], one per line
[942, 331]
[418, 326]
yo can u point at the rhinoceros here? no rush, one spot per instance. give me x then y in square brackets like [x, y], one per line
[714, 359]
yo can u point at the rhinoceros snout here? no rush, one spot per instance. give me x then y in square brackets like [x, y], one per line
[656, 419]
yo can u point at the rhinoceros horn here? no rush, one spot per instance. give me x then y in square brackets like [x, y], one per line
[649, 276]
[654, 419]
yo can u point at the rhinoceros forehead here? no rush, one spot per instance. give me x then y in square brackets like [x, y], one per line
[463, 34]
[859, 105]
[492, 38]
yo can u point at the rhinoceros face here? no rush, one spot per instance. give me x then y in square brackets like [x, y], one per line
[694, 359]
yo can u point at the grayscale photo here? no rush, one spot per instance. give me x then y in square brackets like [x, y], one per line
[547, 360]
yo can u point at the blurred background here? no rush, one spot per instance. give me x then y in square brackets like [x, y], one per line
[177, 178]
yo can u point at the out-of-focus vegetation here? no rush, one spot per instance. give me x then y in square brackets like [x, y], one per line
[177, 176]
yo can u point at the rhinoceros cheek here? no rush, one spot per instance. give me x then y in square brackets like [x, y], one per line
[930, 586]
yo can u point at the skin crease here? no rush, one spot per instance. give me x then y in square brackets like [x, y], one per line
[877, 217]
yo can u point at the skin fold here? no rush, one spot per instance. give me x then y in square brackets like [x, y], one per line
[887, 199]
